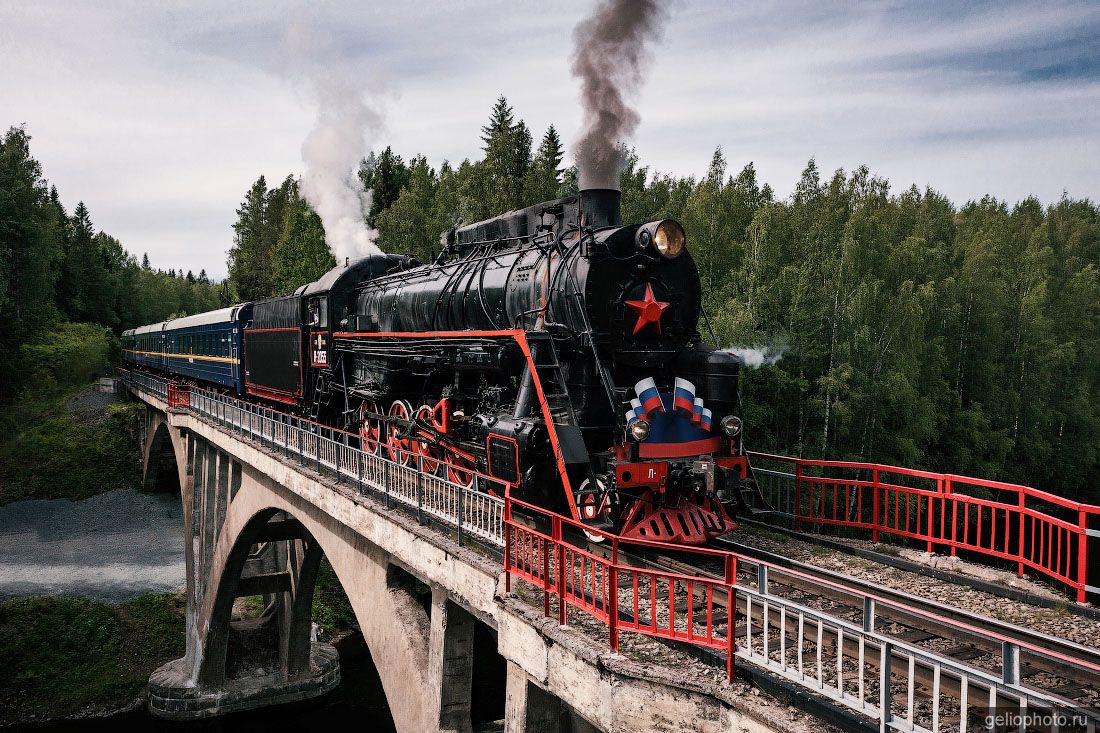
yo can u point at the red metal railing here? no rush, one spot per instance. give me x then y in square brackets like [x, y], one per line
[1034, 529]
[687, 608]
[179, 395]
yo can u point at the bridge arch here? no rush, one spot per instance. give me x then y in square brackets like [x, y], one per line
[271, 544]
[162, 451]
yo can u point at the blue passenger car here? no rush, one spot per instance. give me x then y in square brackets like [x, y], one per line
[145, 346]
[206, 347]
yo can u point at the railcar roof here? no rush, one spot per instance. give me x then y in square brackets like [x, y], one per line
[222, 315]
[151, 328]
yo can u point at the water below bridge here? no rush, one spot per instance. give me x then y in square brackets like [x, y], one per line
[121, 544]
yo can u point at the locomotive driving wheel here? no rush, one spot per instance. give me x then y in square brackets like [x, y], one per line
[430, 452]
[400, 449]
[459, 469]
[369, 430]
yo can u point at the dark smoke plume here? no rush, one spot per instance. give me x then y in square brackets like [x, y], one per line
[608, 55]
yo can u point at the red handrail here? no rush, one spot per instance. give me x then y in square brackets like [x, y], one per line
[179, 395]
[939, 515]
[597, 585]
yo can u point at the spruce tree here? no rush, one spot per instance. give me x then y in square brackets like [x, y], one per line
[250, 256]
[507, 146]
[28, 252]
[384, 176]
[544, 175]
[301, 254]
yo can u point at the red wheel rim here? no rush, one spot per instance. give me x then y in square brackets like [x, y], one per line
[429, 453]
[458, 470]
[400, 450]
[369, 432]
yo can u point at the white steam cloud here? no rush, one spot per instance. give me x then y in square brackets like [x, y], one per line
[338, 141]
[755, 357]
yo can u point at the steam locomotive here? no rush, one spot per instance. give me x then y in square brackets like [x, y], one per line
[550, 348]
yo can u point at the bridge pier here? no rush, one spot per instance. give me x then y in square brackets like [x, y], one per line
[229, 664]
[531, 708]
[451, 661]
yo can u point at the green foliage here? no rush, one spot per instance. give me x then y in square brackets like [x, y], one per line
[496, 183]
[250, 257]
[332, 610]
[29, 252]
[67, 356]
[407, 226]
[543, 181]
[301, 255]
[55, 453]
[384, 176]
[65, 655]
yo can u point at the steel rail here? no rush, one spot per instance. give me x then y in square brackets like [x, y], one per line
[927, 612]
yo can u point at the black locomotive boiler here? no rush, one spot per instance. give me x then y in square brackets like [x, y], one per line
[551, 348]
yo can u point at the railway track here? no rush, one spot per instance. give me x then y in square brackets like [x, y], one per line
[929, 623]
[1059, 670]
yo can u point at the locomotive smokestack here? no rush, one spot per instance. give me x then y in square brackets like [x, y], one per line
[599, 207]
[610, 48]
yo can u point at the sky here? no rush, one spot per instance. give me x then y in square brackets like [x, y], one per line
[160, 115]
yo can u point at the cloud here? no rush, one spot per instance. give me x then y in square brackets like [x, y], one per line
[159, 116]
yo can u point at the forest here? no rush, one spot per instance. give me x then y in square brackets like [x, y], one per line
[67, 289]
[877, 322]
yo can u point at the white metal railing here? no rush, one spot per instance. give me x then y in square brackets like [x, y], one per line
[777, 488]
[150, 384]
[853, 665]
[467, 508]
[900, 685]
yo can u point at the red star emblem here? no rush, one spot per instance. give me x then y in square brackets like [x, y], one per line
[648, 310]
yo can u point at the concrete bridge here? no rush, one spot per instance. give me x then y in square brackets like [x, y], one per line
[453, 649]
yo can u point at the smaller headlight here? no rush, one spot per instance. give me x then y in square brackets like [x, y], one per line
[731, 425]
[639, 430]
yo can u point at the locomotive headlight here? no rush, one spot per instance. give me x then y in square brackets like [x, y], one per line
[666, 236]
[639, 430]
[669, 238]
[731, 425]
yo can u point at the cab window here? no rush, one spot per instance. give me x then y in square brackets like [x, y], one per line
[318, 312]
